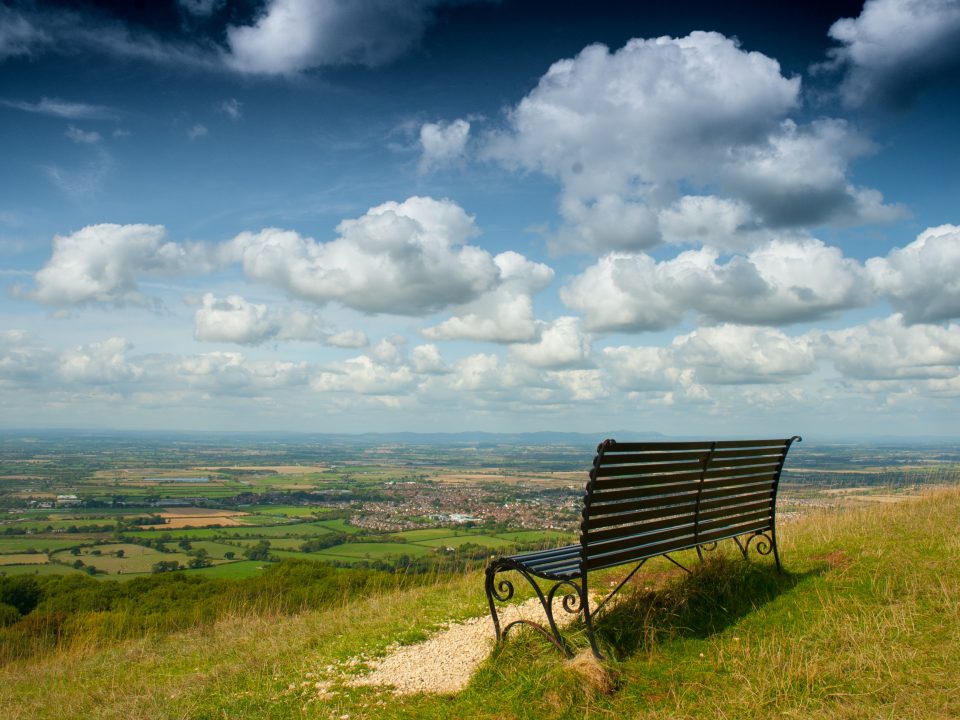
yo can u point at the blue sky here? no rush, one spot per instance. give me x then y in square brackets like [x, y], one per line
[692, 218]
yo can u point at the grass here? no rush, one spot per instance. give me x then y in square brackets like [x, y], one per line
[136, 558]
[864, 624]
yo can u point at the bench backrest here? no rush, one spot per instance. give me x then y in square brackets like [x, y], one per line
[646, 499]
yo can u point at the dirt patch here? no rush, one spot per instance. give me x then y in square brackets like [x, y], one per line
[444, 663]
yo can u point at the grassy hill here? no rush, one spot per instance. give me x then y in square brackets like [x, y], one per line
[864, 624]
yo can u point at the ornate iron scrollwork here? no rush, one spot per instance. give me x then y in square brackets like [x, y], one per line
[502, 590]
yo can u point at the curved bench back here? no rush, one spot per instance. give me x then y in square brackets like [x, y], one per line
[646, 499]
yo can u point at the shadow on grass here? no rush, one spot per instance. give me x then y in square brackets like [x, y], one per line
[718, 592]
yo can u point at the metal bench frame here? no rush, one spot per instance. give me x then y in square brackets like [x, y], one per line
[644, 500]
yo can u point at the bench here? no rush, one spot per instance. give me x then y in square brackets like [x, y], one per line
[644, 500]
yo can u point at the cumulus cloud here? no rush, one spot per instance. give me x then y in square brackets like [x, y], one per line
[364, 375]
[626, 132]
[235, 320]
[231, 373]
[101, 264]
[897, 48]
[427, 360]
[103, 363]
[442, 144]
[294, 35]
[889, 349]
[407, 258]
[736, 354]
[503, 314]
[779, 282]
[22, 360]
[922, 280]
[722, 355]
[561, 345]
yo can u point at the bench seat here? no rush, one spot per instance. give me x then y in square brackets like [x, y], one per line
[644, 500]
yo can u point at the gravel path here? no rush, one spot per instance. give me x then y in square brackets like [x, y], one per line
[446, 662]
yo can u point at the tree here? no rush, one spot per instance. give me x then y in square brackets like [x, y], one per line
[120, 553]
[229, 555]
[165, 566]
[260, 551]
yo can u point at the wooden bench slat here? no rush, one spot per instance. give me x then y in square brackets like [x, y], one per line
[707, 526]
[727, 444]
[733, 510]
[601, 485]
[646, 458]
[660, 446]
[749, 452]
[637, 493]
[734, 463]
[599, 511]
[617, 470]
[632, 530]
[598, 562]
[594, 523]
[765, 495]
[730, 494]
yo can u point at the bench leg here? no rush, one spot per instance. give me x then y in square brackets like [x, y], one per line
[573, 600]
[766, 544]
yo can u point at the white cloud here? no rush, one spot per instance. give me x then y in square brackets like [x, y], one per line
[798, 177]
[22, 361]
[295, 35]
[405, 258]
[64, 109]
[364, 376]
[722, 355]
[561, 345]
[426, 360]
[889, 349]
[101, 263]
[896, 48]
[348, 339]
[442, 144]
[778, 282]
[197, 131]
[233, 319]
[232, 108]
[922, 280]
[103, 363]
[503, 314]
[712, 221]
[82, 136]
[231, 373]
[18, 36]
[736, 354]
[626, 132]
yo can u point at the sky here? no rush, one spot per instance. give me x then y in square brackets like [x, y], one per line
[693, 218]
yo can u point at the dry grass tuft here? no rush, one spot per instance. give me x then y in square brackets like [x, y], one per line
[597, 678]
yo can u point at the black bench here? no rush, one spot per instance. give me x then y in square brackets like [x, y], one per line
[649, 499]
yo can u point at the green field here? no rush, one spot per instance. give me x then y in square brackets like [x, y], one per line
[38, 543]
[456, 541]
[425, 534]
[136, 558]
[23, 559]
[47, 569]
[372, 551]
[545, 536]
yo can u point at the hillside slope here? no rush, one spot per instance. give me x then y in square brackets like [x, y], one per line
[865, 624]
